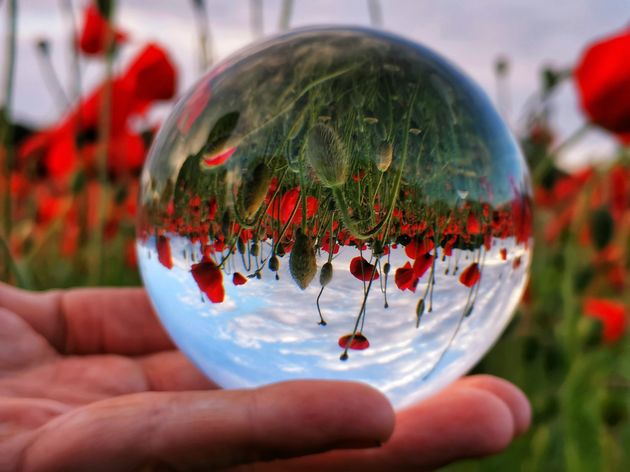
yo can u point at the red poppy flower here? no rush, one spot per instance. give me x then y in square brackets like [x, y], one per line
[62, 156]
[470, 275]
[362, 269]
[125, 154]
[287, 204]
[405, 278]
[163, 246]
[422, 264]
[94, 35]
[359, 342]
[503, 253]
[209, 279]
[448, 247]
[419, 246]
[239, 279]
[49, 208]
[603, 80]
[473, 225]
[611, 313]
[152, 75]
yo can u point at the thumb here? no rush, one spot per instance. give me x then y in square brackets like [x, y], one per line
[215, 429]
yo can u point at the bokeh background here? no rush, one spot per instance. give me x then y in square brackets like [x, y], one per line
[75, 130]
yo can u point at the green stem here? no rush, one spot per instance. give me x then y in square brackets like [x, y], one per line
[6, 139]
[104, 131]
[12, 266]
[343, 205]
[51, 78]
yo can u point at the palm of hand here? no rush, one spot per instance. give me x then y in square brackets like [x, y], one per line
[90, 381]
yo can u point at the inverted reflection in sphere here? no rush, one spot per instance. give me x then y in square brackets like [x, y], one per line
[339, 204]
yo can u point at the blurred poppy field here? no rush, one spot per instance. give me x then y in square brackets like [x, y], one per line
[68, 196]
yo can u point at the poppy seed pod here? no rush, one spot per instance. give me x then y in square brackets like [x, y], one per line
[325, 274]
[255, 189]
[384, 156]
[327, 155]
[302, 263]
[274, 264]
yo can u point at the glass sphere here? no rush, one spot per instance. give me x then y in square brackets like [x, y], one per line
[335, 203]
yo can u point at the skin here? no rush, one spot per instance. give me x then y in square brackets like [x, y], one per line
[89, 380]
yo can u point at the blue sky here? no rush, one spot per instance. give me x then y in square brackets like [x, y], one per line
[472, 34]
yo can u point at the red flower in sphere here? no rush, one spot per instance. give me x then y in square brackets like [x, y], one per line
[422, 264]
[209, 278]
[471, 275]
[359, 343]
[163, 247]
[603, 82]
[612, 315]
[239, 279]
[405, 278]
[362, 269]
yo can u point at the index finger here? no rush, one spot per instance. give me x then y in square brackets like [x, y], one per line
[90, 320]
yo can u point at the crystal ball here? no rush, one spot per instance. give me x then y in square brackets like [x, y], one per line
[335, 203]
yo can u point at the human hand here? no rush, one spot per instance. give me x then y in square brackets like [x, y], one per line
[90, 381]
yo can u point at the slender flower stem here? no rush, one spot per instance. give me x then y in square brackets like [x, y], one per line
[376, 13]
[344, 355]
[51, 78]
[6, 130]
[256, 18]
[205, 36]
[285, 15]
[104, 131]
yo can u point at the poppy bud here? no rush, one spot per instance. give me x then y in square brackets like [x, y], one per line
[240, 245]
[255, 189]
[325, 274]
[302, 263]
[274, 264]
[386, 268]
[419, 311]
[254, 249]
[327, 155]
[384, 156]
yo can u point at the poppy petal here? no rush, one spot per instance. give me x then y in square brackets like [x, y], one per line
[471, 275]
[362, 269]
[359, 343]
[209, 279]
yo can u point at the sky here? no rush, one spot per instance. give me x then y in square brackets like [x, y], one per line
[472, 34]
[266, 330]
